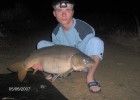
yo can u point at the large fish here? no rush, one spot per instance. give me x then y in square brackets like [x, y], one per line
[59, 60]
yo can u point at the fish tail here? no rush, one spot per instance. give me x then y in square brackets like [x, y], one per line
[20, 68]
[15, 67]
[21, 74]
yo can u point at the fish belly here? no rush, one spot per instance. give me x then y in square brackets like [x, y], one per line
[57, 65]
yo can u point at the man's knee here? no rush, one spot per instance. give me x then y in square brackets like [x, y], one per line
[44, 43]
[97, 41]
[95, 47]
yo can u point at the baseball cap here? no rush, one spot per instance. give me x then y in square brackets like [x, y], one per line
[63, 3]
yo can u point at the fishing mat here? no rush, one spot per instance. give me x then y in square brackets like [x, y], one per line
[33, 87]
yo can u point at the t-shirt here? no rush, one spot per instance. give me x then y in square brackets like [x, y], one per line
[77, 36]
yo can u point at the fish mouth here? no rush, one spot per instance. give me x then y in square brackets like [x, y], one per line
[78, 68]
[89, 65]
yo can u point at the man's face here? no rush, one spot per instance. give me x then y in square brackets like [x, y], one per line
[64, 15]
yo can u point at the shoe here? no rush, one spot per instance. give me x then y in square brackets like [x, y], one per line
[94, 83]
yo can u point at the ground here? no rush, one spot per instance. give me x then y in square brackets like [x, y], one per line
[118, 72]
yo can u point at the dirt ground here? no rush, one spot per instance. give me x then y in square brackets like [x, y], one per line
[118, 72]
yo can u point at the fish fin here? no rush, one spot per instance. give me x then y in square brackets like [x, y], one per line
[55, 77]
[21, 74]
[67, 72]
[34, 72]
[20, 68]
[15, 67]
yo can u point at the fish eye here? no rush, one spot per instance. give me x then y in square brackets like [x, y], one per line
[85, 61]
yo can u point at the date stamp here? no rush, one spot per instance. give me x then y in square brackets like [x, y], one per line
[14, 89]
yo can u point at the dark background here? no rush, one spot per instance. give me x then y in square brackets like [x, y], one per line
[19, 15]
[89, 6]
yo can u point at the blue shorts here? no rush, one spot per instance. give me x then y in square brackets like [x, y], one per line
[95, 46]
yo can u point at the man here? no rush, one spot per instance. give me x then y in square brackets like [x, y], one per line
[76, 33]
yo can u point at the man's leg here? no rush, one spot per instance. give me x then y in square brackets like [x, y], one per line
[44, 43]
[95, 49]
[90, 74]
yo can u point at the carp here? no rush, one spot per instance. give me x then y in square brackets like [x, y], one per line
[58, 59]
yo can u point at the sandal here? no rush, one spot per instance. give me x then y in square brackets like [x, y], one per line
[92, 84]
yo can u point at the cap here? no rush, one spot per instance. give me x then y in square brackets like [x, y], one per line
[63, 4]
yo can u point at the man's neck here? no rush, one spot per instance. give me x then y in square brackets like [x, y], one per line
[67, 27]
